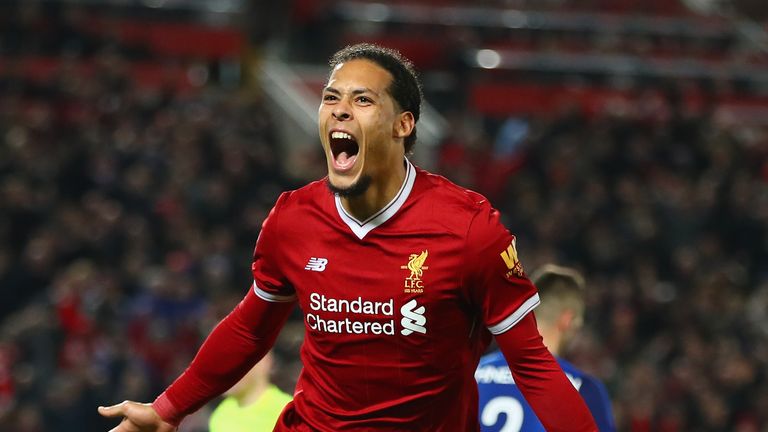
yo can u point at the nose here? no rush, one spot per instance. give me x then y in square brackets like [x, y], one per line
[341, 111]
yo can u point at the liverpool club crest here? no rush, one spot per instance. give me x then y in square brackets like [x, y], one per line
[413, 283]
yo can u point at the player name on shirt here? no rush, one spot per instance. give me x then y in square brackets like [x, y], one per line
[491, 374]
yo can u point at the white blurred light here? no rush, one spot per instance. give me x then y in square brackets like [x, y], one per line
[705, 7]
[154, 3]
[488, 58]
[514, 19]
[221, 6]
[377, 12]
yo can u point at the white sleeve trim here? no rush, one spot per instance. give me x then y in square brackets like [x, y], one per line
[510, 321]
[274, 298]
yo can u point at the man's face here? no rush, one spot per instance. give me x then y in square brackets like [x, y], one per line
[358, 122]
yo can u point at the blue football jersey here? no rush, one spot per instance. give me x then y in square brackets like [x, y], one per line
[503, 408]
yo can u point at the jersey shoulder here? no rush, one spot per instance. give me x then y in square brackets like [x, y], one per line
[595, 395]
[447, 197]
[569, 368]
[309, 194]
[291, 210]
[588, 384]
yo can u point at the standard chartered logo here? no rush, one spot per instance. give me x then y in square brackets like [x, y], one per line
[359, 316]
[413, 318]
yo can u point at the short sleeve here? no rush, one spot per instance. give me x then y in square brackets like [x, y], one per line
[269, 281]
[494, 275]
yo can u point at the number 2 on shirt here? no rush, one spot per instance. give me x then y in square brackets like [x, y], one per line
[503, 405]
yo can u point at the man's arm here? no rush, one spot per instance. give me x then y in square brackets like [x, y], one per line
[233, 347]
[547, 390]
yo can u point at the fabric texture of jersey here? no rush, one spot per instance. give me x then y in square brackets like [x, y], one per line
[503, 408]
[397, 309]
[259, 416]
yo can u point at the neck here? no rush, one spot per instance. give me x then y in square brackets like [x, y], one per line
[552, 339]
[252, 395]
[378, 194]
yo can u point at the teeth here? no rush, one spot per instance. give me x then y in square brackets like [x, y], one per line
[341, 135]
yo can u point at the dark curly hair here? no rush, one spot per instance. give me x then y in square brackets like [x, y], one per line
[405, 88]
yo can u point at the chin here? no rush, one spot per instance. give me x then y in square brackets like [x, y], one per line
[356, 188]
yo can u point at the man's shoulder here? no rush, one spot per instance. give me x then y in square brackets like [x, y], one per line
[594, 393]
[570, 368]
[309, 194]
[586, 380]
[443, 192]
[226, 407]
[293, 206]
[274, 393]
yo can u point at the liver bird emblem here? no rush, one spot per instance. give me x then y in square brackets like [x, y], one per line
[416, 264]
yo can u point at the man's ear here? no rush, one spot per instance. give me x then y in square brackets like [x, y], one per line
[404, 125]
[567, 321]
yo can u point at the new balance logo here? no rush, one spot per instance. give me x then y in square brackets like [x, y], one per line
[413, 318]
[316, 264]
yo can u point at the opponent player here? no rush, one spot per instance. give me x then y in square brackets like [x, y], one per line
[502, 406]
[401, 275]
[251, 405]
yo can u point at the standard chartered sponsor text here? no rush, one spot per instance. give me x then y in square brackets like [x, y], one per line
[358, 306]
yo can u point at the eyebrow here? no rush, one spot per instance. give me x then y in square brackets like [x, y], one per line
[355, 92]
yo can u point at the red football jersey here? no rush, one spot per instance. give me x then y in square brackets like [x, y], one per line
[397, 308]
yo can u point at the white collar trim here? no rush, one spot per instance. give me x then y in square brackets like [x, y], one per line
[362, 228]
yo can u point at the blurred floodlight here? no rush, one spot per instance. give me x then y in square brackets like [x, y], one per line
[706, 7]
[154, 3]
[488, 59]
[514, 19]
[222, 6]
[377, 12]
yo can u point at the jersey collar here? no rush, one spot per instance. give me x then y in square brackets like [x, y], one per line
[361, 228]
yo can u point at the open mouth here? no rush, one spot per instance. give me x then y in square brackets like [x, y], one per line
[344, 148]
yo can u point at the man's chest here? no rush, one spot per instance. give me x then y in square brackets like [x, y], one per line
[403, 284]
[392, 267]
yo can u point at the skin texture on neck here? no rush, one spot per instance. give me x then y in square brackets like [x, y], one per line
[378, 195]
[558, 330]
[552, 338]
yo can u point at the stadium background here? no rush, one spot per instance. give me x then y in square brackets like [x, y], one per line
[143, 142]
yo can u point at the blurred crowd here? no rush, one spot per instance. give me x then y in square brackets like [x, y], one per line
[668, 217]
[128, 218]
[127, 221]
